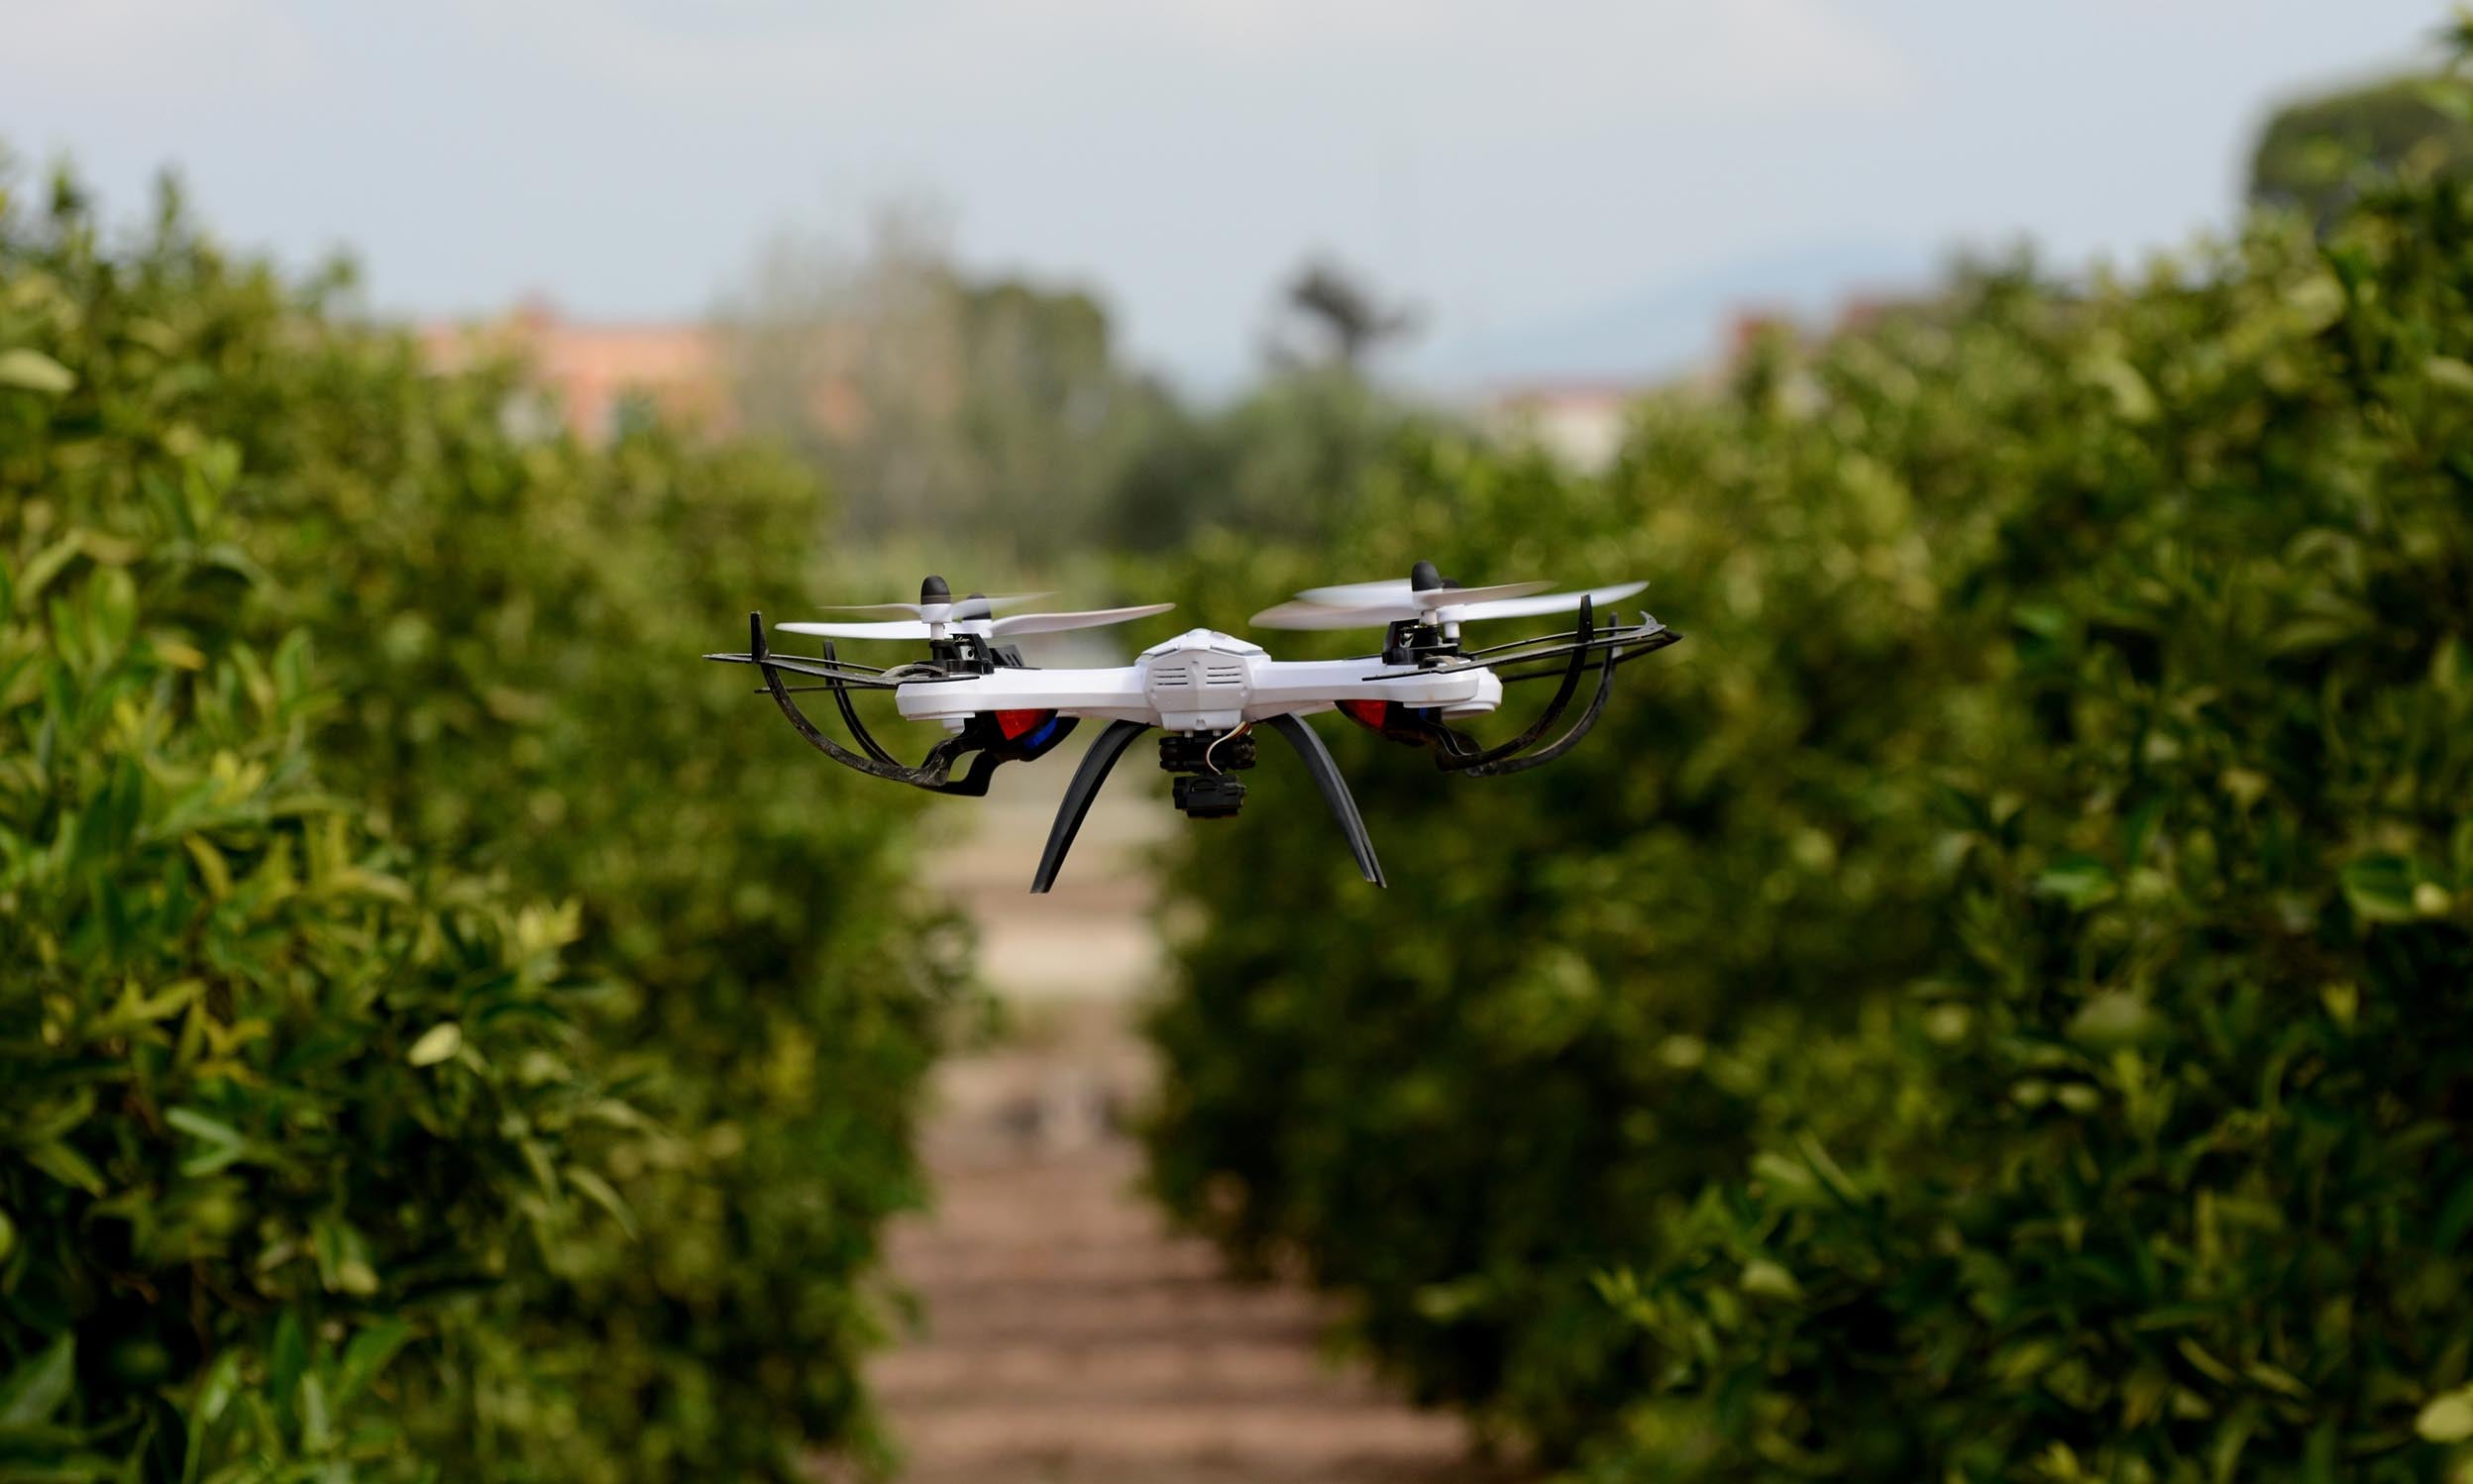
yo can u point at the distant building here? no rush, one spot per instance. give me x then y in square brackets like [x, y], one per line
[1581, 423]
[594, 374]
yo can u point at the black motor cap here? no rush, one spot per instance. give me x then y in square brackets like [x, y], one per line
[933, 590]
[1424, 576]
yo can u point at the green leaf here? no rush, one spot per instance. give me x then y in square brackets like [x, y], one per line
[2447, 1417]
[317, 1429]
[287, 1357]
[212, 1395]
[226, 1145]
[2448, 371]
[35, 1389]
[66, 1165]
[2316, 302]
[366, 1354]
[189, 1120]
[435, 1044]
[43, 567]
[603, 1194]
[30, 370]
[2380, 887]
[1765, 1279]
[2081, 881]
[2114, 1019]
[343, 1256]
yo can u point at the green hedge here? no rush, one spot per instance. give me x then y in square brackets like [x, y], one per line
[507, 701]
[1991, 1003]
[275, 1093]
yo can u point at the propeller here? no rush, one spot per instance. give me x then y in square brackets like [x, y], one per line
[1056, 623]
[991, 628]
[1552, 602]
[936, 605]
[974, 606]
[1428, 597]
[936, 614]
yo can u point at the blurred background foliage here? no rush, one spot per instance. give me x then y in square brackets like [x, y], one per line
[940, 401]
[413, 1021]
[1979, 1008]
[999, 419]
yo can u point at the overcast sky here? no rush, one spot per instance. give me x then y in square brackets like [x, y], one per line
[1503, 164]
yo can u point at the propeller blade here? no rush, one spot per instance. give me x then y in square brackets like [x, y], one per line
[1550, 602]
[1397, 592]
[1352, 595]
[899, 629]
[1299, 614]
[877, 610]
[1018, 623]
[1448, 598]
[958, 609]
[1056, 623]
[1393, 605]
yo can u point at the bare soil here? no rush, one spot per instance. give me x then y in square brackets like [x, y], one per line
[1066, 1334]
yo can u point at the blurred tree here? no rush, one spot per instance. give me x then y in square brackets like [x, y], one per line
[1980, 1009]
[1337, 317]
[416, 1046]
[939, 402]
[1283, 461]
[1286, 459]
[2316, 154]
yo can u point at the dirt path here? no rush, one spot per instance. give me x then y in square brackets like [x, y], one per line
[1068, 1336]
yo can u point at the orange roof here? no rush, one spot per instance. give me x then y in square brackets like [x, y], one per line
[592, 370]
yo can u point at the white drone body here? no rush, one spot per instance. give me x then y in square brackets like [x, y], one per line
[1200, 680]
[1207, 691]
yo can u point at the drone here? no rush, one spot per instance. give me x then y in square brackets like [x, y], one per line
[1205, 691]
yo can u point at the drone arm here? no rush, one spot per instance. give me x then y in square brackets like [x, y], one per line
[1335, 790]
[974, 783]
[1108, 746]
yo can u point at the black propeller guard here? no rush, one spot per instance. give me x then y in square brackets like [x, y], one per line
[1458, 752]
[981, 736]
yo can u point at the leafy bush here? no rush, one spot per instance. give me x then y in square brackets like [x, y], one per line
[277, 1094]
[509, 628]
[2314, 156]
[1988, 1004]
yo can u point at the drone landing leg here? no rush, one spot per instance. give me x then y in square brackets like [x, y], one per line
[1335, 791]
[1108, 746]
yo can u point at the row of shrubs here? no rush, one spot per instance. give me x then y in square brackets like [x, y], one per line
[444, 1030]
[1990, 1004]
